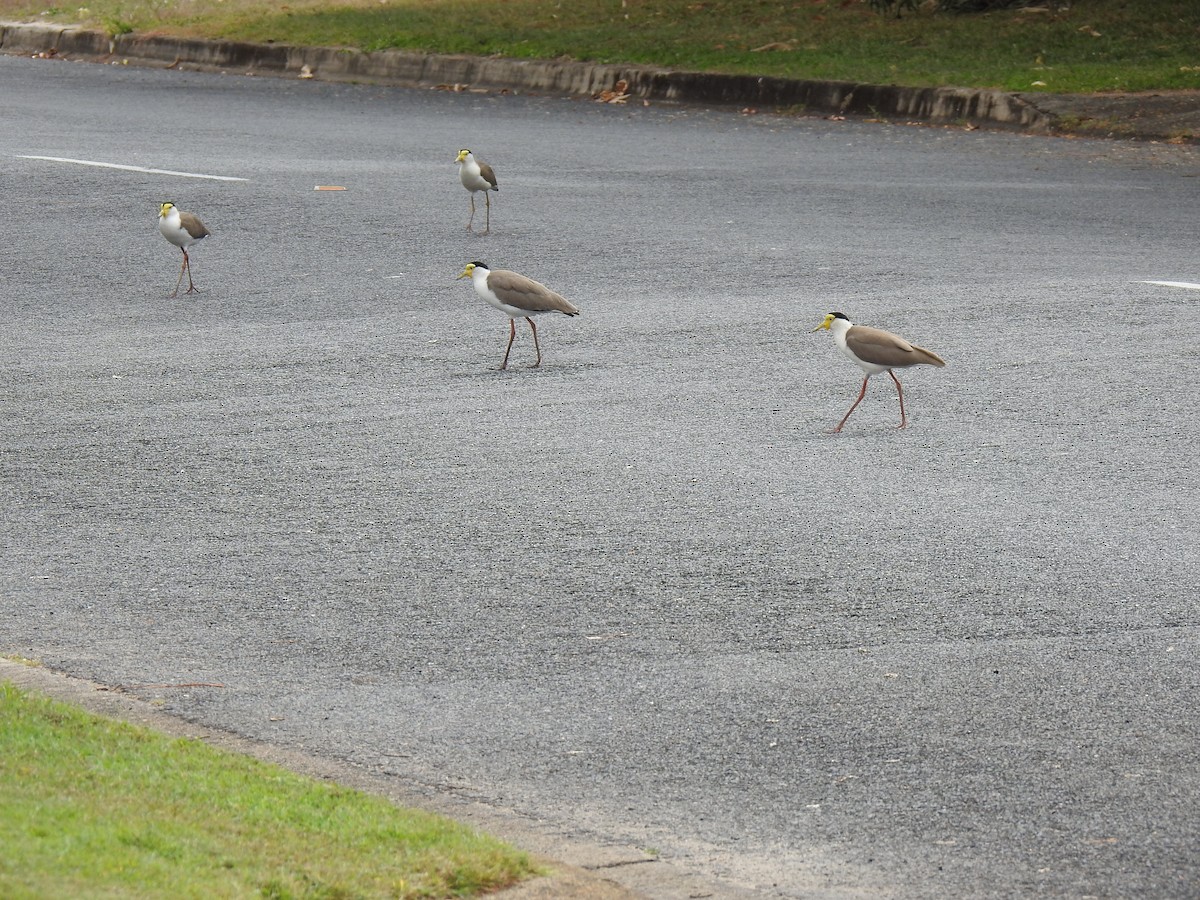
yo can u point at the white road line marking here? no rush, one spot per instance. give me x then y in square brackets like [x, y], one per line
[104, 165]
[1182, 284]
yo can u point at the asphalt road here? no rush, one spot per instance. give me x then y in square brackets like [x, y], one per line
[640, 592]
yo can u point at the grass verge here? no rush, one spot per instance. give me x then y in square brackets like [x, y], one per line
[90, 807]
[1085, 45]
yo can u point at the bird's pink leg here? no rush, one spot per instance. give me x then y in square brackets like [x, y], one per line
[861, 394]
[512, 333]
[535, 343]
[900, 391]
[472, 219]
[179, 280]
[487, 197]
[192, 289]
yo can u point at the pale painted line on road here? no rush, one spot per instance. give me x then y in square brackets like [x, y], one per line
[1182, 284]
[104, 165]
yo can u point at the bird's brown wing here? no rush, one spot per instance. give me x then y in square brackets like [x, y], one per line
[874, 345]
[192, 226]
[525, 293]
[488, 175]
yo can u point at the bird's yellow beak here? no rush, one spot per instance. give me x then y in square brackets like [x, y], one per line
[466, 273]
[164, 209]
[824, 324]
[462, 154]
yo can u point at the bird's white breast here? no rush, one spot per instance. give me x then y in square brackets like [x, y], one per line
[172, 229]
[471, 177]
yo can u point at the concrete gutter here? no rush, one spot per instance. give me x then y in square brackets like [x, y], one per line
[961, 106]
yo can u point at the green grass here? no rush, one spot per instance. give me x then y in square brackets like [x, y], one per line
[95, 808]
[1095, 45]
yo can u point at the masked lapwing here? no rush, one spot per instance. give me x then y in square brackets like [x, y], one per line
[517, 297]
[182, 229]
[875, 351]
[477, 176]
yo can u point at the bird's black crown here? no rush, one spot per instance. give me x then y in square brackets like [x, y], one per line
[481, 265]
[838, 315]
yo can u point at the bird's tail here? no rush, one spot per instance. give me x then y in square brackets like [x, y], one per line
[929, 357]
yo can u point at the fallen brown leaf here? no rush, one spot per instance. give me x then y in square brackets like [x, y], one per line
[618, 94]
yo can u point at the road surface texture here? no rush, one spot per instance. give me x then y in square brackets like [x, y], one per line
[640, 593]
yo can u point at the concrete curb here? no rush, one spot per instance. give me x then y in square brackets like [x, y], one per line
[928, 104]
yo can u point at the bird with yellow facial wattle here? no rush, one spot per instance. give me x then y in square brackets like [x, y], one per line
[517, 297]
[875, 350]
[477, 176]
[182, 229]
